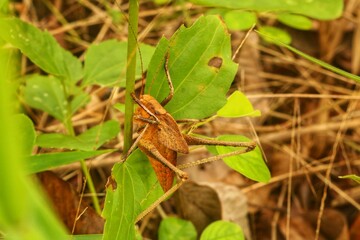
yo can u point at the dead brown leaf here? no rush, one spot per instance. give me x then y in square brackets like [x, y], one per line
[66, 203]
[199, 204]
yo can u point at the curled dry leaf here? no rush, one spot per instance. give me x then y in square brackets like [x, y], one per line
[233, 204]
[199, 204]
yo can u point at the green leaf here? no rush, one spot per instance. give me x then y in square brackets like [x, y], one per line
[217, 11]
[250, 164]
[121, 207]
[200, 87]
[4, 7]
[117, 16]
[105, 63]
[26, 133]
[312, 59]
[42, 162]
[41, 48]
[79, 101]
[46, 94]
[141, 164]
[238, 105]
[172, 228]
[90, 140]
[144, 192]
[318, 9]
[239, 20]
[120, 107]
[10, 67]
[353, 177]
[295, 21]
[274, 33]
[222, 230]
[86, 237]
[24, 212]
[138, 235]
[161, 2]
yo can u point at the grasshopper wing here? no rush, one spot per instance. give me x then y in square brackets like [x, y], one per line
[170, 134]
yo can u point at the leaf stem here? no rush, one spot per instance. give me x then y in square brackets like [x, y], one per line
[70, 129]
[68, 125]
[89, 181]
[91, 186]
[130, 72]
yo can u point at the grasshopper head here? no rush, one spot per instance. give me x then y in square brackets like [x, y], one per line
[151, 104]
[147, 105]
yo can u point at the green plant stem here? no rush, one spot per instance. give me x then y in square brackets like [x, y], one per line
[68, 125]
[185, 13]
[130, 72]
[89, 181]
[91, 186]
[67, 122]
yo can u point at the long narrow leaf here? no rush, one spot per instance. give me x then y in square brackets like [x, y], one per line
[92, 139]
[315, 60]
[318, 9]
[42, 162]
[24, 213]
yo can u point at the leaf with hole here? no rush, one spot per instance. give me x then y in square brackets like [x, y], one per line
[90, 140]
[200, 87]
[41, 48]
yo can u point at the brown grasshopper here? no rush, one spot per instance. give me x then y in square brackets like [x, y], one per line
[161, 139]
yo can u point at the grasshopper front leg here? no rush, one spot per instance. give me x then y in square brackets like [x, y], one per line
[150, 150]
